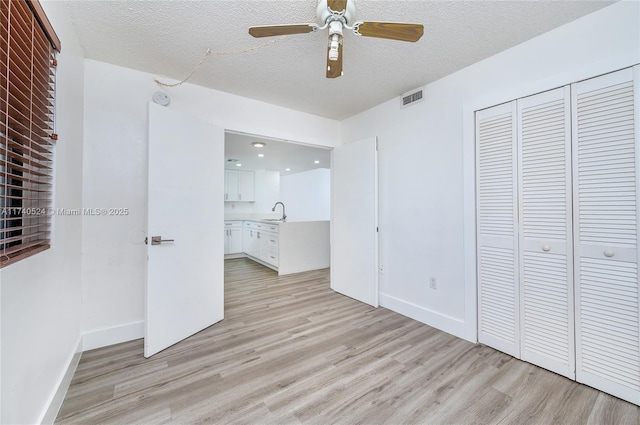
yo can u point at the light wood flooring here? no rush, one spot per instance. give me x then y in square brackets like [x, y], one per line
[292, 351]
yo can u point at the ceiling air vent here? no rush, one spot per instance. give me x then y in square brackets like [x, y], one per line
[411, 97]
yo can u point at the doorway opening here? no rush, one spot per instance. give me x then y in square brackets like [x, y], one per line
[277, 204]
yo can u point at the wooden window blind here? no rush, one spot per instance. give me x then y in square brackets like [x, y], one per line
[27, 88]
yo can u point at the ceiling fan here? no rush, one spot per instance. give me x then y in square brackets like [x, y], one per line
[337, 15]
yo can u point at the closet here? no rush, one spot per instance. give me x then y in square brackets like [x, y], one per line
[557, 230]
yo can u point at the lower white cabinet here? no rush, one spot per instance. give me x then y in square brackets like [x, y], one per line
[261, 241]
[271, 251]
[290, 247]
[250, 241]
[232, 237]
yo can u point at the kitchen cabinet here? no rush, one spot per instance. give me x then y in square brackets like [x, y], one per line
[250, 241]
[261, 242]
[271, 248]
[232, 237]
[239, 186]
[287, 247]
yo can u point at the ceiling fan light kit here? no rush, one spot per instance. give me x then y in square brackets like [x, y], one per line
[337, 15]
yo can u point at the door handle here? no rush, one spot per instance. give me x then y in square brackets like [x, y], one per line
[156, 240]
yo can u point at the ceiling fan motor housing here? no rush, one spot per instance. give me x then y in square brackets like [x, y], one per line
[325, 14]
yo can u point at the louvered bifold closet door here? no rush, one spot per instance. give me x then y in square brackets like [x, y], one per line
[546, 263]
[496, 178]
[605, 162]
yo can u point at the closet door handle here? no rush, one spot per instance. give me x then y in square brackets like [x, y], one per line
[609, 252]
[546, 248]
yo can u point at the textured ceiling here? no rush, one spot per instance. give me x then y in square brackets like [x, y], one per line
[168, 38]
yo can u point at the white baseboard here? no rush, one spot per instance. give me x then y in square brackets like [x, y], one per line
[114, 335]
[429, 317]
[49, 415]
[88, 341]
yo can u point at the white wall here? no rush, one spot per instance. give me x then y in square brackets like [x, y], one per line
[307, 195]
[41, 296]
[426, 160]
[267, 193]
[115, 176]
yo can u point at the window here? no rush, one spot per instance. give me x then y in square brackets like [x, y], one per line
[27, 87]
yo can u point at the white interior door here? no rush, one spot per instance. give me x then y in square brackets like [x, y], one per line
[546, 253]
[354, 220]
[606, 133]
[184, 289]
[497, 218]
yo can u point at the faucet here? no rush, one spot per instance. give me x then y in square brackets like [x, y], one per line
[284, 217]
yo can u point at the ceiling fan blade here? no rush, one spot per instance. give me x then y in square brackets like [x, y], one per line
[337, 5]
[390, 30]
[271, 30]
[334, 68]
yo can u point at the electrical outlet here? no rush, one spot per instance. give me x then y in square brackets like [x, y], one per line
[381, 269]
[432, 283]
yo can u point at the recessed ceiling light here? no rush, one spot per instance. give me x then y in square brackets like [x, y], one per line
[287, 169]
[238, 165]
[258, 144]
[261, 155]
[316, 162]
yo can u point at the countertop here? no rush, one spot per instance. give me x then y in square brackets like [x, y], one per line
[272, 221]
[267, 221]
[257, 220]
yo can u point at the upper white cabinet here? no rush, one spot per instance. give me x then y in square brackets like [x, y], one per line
[231, 185]
[246, 186]
[239, 186]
